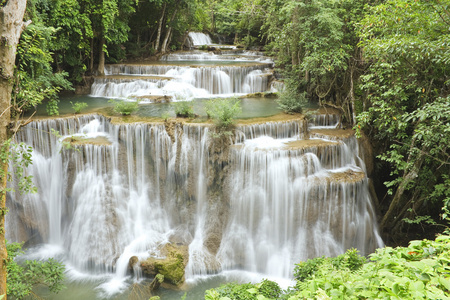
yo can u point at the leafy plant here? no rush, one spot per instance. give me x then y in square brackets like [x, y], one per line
[262, 291]
[19, 157]
[183, 109]
[125, 107]
[22, 278]
[78, 106]
[223, 111]
[165, 116]
[419, 271]
[350, 260]
[292, 102]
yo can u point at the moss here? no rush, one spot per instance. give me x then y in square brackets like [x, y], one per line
[171, 268]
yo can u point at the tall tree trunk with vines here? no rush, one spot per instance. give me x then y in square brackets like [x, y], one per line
[165, 44]
[158, 36]
[11, 27]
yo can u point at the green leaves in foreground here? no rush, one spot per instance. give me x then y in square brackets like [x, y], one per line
[21, 278]
[262, 291]
[420, 271]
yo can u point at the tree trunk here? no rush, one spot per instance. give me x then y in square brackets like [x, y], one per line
[11, 27]
[158, 36]
[166, 41]
[165, 44]
[397, 209]
[352, 97]
[101, 59]
[91, 60]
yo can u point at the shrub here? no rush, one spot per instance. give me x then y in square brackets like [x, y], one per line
[165, 116]
[125, 107]
[78, 106]
[291, 101]
[22, 278]
[265, 290]
[419, 271]
[184, 109]
[223, 111]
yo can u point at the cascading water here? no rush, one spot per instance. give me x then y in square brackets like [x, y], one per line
[259, 201]
[181, 82]
[279, 201]
[199, 38]
[186, 76]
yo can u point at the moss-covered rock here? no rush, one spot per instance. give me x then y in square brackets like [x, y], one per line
[171, 267]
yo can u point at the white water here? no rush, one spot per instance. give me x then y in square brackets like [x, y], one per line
[105, 203]
[199, 38]
[181, 82]
[253, 213]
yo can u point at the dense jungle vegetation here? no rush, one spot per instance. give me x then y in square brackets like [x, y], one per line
[384, 64]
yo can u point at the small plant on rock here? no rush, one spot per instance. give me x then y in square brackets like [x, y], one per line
[184, 109]
[291, 101]
[78, 106]
[125, 107]
[223, 111]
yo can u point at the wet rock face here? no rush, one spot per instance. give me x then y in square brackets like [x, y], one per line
[366, 153]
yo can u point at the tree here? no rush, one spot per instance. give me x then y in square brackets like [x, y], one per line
[317, 49]
[407, 105]
[11, 27]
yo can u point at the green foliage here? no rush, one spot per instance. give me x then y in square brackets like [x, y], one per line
[22, 278]
[35, 80]
[415, 272]
[19, 157]
[125, 107]
[290, 101]
[419, 271]
[408, 104]
[183, 109]
[316, 48]
[262, 291]
[223, 111]
[239, 20]
[350, 260]
[78, 106]
[165, 116]
[269, 289]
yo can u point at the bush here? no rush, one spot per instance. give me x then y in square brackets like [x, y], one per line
[125, 107]
[265, 290]
[184, 109]
[419, 271]
[22, 278]
[349, 260]
[78, 106]
[291, 101]
[223, 111]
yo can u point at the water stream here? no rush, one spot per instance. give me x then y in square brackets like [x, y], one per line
[276, 195]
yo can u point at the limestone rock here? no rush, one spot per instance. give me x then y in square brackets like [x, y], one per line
[171, 267]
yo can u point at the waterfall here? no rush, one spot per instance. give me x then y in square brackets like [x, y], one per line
[180, 82]
[269, 201]
[199, 38]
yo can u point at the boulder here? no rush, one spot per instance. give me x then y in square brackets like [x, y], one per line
[172, 266]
